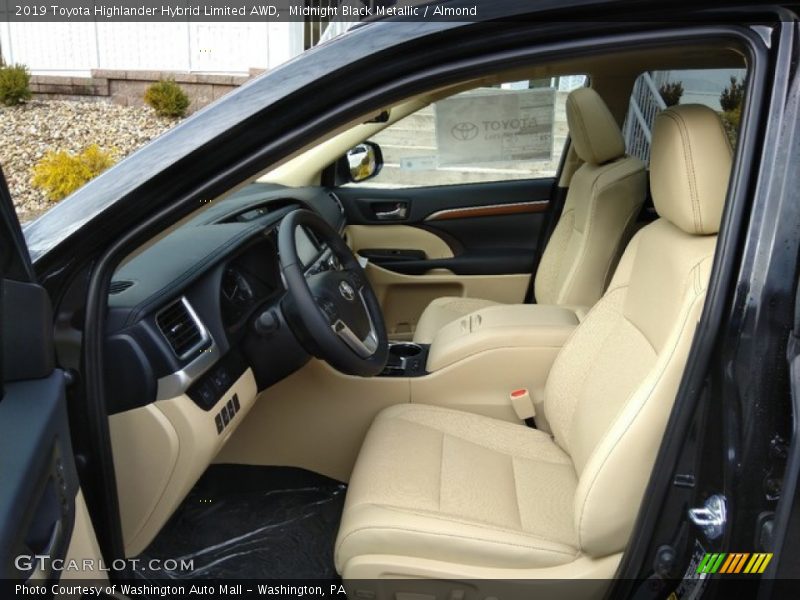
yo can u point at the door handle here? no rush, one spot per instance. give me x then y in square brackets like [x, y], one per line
[398, 213]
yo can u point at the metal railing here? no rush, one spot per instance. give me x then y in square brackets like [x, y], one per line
[644, 105]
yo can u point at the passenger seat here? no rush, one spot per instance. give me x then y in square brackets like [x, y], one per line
[604, 199]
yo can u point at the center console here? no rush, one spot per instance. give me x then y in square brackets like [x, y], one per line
[488, 356]
[513, 325]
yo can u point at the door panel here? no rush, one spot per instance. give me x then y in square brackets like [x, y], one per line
[423, 202]
[363, 238]
[37, 501]
[38, 479]
[476, 240]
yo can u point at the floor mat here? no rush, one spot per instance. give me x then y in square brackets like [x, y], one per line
[243, 521]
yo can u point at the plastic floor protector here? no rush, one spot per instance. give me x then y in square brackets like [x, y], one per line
[252, 522]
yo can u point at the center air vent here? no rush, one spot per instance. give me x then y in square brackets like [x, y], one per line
[117, 287]
[182, 329]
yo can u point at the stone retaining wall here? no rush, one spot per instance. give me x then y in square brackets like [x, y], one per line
[127, 88]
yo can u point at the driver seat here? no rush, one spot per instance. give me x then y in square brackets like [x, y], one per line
[439, 493]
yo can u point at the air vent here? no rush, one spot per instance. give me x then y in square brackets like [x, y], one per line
[182, 329]
[117, 287]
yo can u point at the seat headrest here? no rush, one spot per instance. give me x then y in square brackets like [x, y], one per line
[690, 164]
[594, 133]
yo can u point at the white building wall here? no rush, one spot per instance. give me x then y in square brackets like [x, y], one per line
[77, 48]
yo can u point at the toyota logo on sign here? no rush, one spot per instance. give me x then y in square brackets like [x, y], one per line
[464, 131]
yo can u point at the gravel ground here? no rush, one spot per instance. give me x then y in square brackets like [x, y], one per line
[29, 131]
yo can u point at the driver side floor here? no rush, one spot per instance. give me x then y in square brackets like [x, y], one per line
[254, 522]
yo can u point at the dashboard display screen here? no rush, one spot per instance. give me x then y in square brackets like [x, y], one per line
[306, 248]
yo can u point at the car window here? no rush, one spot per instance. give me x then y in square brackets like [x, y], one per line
[653, 91]
[514, 130]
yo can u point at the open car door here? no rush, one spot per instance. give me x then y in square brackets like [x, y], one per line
[39, 489]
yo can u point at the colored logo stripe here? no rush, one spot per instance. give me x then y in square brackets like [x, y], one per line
[729, 562]
[734, 562]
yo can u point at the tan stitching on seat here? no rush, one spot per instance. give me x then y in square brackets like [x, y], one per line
[466, 522]
[452, 536]
[594, 194]
[533, 440]
[619, 250]
[694, 194]
[632, 420]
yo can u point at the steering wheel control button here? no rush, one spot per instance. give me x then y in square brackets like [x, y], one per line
[355, 280]
[329, 308]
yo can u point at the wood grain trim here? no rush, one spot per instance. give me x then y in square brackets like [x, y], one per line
[493, 210]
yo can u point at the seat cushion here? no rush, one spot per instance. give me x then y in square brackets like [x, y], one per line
[436, 483]
[445, 310]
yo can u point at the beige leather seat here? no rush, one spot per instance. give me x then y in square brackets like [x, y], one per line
[442, 493]
[604, 199]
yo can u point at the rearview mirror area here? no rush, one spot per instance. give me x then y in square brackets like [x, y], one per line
[362, 162]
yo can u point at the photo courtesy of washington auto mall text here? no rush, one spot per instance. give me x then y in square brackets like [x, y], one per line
[178, 590]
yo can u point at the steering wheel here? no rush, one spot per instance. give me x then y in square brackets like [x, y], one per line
[336, 305]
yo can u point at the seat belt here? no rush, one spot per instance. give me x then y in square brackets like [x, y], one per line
[566, 168]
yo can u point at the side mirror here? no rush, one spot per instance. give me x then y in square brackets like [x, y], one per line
[361, 162]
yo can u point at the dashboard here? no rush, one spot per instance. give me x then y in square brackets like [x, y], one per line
[198, 323]
[182, 311]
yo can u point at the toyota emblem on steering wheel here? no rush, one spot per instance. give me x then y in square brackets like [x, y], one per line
[347, 291]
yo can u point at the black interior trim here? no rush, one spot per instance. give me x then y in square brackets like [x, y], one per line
[27, 326]
[486, 262]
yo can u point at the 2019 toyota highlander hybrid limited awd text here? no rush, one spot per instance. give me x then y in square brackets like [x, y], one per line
[404, 319]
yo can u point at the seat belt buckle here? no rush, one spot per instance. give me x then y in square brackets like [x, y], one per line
[522, 403]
